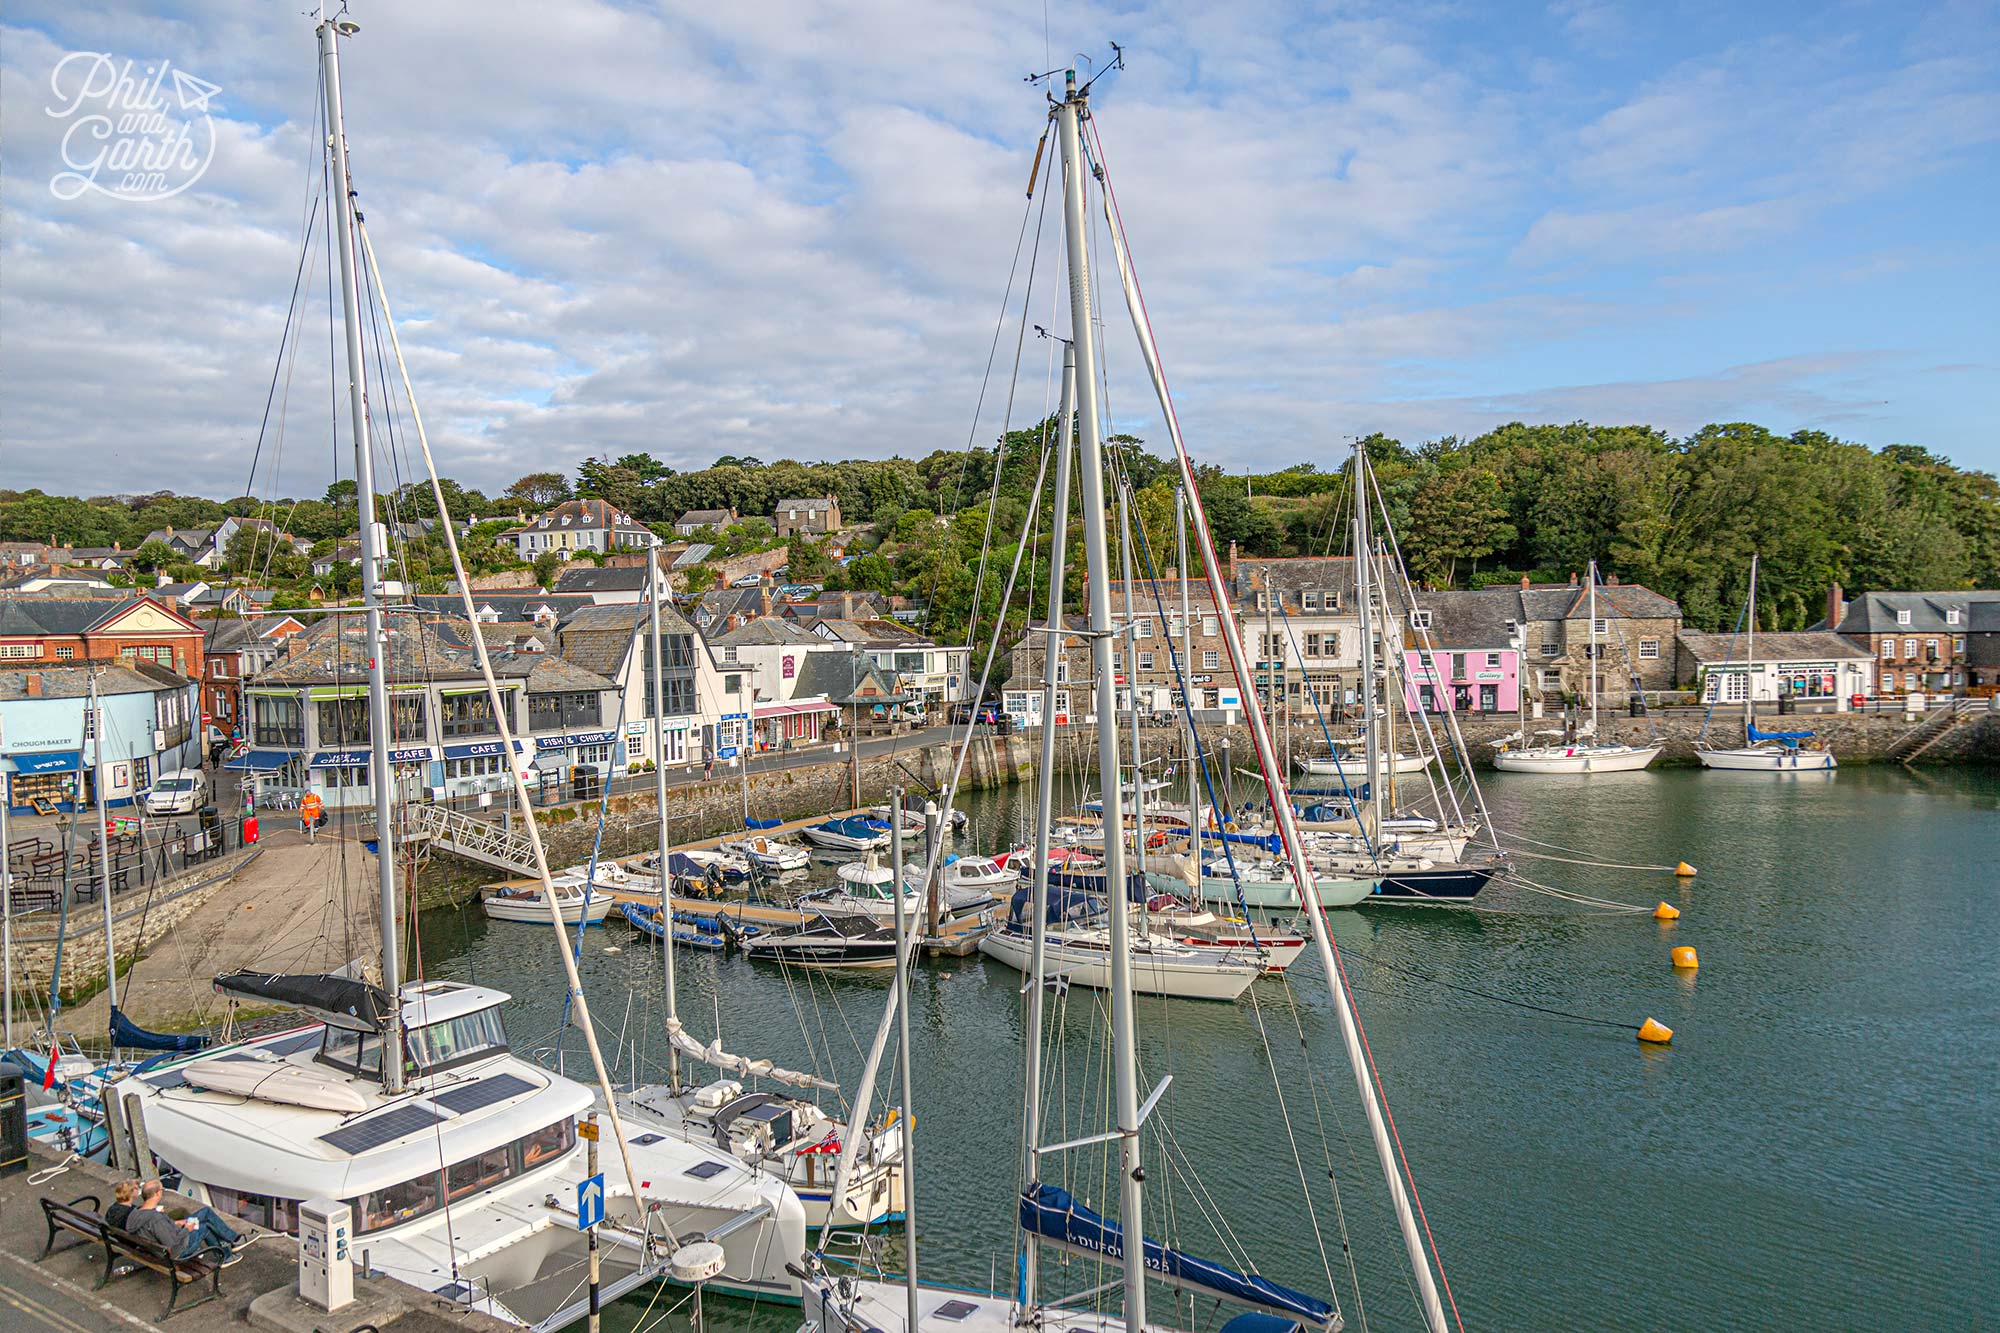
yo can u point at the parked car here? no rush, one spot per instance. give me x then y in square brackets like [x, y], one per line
[179, 791]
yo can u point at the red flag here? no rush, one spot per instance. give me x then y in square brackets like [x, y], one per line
[49, 1079]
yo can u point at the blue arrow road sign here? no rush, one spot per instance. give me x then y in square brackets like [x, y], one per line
[590, 1203]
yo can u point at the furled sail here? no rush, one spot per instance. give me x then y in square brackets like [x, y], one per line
[713, 1054]
[1050, 1214]
[124, 1032]
[340, 1001]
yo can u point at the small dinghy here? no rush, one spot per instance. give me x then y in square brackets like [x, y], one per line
[269, 1079]
[693, 930]
[769, 855]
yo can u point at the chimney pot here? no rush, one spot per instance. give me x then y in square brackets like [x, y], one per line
[1524, 581]
[1572, 578]
[1610, 580]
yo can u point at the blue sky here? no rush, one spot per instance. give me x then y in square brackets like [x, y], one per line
[784, 228]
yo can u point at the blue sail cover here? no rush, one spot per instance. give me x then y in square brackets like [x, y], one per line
[1064, 904]
[1787, 738]
[1049, 1213]
[762, 823]
[124, 1032]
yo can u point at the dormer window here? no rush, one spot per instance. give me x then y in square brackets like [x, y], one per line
[1951, 616]
[1902, 617]
[1309, 601]
[1420, 619]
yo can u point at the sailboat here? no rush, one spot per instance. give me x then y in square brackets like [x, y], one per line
[1763, 751]
[457, 1156]
[1586, 756]
[1049, 1216]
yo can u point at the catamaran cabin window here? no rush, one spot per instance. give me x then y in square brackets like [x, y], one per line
[441, 1045]
[358, 1052]
[477, 1173]
[398, 1203]
[262, 1209]
[544, 1144]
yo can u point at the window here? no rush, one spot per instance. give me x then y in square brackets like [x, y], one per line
[1143, 628]
[1951, 616]
[1888, 650]
[441, 1045]
[1273, 646]
[471, 715]
[1420, 619]
[1548, 650]
[593, 754]
[1492, 659]
[1145, 661]
[398, 1203]
[1958, 643]
[1210, 660]
[64, 652]
[1513, 628]
[1062, 669]
[1210, 627]
[1902, 617]
[1550, 681]
[277, 721]
[544, 1144]
[1649, 649]
[729, 654]
[356, 1052]
[1312, 645]
[1309, 601]
[1909, 650]
[1600, 626]
[554, 712]
[485, 765]
[147, 652]
[477, 1173]
[732, 683]
[676, 692]
[1329, 643]
[1930, 649]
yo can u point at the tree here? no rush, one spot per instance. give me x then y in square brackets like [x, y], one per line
[806, 563]
[538, 491]
[548, 565]
[152, 557]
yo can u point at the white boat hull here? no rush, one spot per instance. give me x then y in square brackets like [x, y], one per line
[1184, 975]
[1577, 759]
[1769, 759]
[533, 910]
[1352, 768]
[1283, 895]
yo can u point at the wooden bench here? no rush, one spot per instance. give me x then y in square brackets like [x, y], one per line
[88, 1222]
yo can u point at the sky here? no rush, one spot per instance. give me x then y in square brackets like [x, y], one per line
[789, 228]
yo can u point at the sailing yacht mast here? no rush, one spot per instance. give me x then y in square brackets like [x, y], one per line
[1131, 655]
[1591, 666]
[1097, 567]
[103, 852]
[1187, 677]
[653, 581]
[380, 775]
[1750, 660]
[1364, 599]
[1052, 652]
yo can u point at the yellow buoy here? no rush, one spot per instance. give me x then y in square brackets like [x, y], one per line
[1666, 912]
[1683, 956]
[1655, 1031]
[1684, 871]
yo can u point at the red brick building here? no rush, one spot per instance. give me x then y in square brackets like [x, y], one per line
[41, 630]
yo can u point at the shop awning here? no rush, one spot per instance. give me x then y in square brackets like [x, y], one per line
[792, 710]
[66, 761]
[259, 761]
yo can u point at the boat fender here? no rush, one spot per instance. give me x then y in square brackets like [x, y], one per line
[1684, 958]
[1684, 871]
[1652, 1030]
[1666, 912]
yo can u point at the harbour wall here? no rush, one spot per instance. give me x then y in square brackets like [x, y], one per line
[715, 808]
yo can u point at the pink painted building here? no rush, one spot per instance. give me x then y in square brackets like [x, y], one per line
[1461, 653]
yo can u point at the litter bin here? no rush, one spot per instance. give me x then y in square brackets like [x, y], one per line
[209, 817]
[1787, 704]
[13, 1123]
[1638, 706]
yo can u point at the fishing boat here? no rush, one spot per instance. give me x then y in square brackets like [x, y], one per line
[450, 1166]
[1586, 754]
[1763, 751]
[770, 855]
[526, 903]
[855, 833]
[828, 941]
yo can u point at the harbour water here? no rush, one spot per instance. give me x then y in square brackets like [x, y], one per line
[1815, 1148]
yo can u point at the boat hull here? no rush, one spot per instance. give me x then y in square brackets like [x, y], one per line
[1283, 895]
[535, 912]
[1442, 885]
[1769, 759]
[1577, 759]
[1201, 978]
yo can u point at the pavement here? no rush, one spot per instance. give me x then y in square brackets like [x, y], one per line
[59, 1293]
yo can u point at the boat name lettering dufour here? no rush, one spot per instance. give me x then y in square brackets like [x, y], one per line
[131, 134]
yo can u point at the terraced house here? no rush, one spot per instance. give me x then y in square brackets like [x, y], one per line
[1917, 640]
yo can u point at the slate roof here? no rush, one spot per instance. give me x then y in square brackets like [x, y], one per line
[812, 504]
[1471, 619]
[335, 651]
[511, 607]
[717, 606]
[38, 614]
[1799, 646]
[705, 518]
[1290, 577]
[763, 630]
[581, 514]
[73, 682]
[838, 675]
[598, 638]
[874, 631]
[1875, 612]
[590, 578]
[1570, 601]
[553, 675]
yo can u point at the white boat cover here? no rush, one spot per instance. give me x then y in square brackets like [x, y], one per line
[741, 1064]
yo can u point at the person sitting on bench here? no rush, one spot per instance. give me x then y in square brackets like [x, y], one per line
[122, 1198]
[184, 1239]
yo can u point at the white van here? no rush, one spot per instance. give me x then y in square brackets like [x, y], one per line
[180, 791]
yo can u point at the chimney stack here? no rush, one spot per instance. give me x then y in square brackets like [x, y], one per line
[1229, 570]
[1572, 579]
[1610, 580]
[1524, 581]
[847, 606]
[764, 595]
[1836, 606]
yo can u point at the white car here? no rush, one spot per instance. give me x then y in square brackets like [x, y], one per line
[180, 791]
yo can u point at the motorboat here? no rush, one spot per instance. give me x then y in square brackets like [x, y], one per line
[525, 903]
[828, 941]
[770, 855]
[788, 1136]
[611, 877]
[855, 833]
